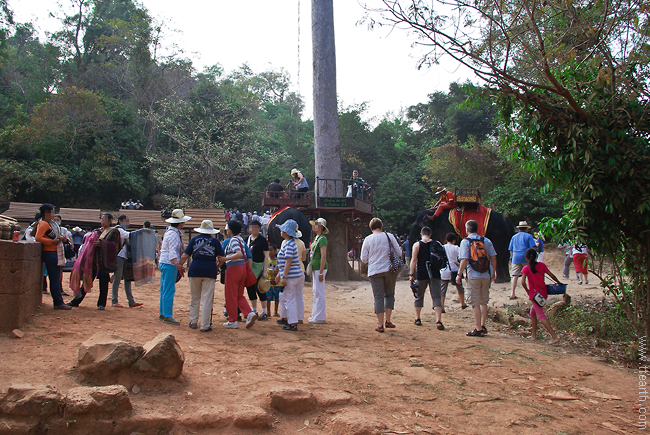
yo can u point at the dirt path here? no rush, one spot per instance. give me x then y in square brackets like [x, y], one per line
[408, 380]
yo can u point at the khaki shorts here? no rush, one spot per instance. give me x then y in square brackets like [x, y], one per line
[477, 291]
[515, 268]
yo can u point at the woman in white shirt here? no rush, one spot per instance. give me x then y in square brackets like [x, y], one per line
[375, 252]
[170, 264]
[449, 273]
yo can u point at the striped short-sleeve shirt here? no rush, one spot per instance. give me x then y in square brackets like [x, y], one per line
[289, 250]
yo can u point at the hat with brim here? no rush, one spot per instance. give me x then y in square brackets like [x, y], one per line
[263, 284]
[294, 171]
[523, 224]
[206, 228]
[177, 217]
[298, 234]
[440, 190]
[77, 229]
[321, 221]
[290, 227]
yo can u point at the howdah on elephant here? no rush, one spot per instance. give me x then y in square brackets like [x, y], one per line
[499, 230]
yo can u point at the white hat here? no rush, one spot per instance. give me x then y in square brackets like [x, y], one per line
[294, 171]
[523, 224]
[77, 229]
[206, 228]
[321, 221]
[177, 217]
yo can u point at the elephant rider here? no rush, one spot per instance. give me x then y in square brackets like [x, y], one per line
[446, 201]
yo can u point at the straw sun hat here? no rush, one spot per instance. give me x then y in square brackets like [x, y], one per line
[206, 228]
[177, 217]
[321, 221]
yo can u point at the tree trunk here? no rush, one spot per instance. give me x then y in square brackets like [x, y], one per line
[327, 150]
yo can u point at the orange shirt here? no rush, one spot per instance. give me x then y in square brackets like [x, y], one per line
[446, 197]
[48, 244]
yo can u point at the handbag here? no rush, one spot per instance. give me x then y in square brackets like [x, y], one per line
[309, 270]
[251, 279]
[396, 262]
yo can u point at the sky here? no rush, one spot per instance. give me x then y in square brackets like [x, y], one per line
[377, 67]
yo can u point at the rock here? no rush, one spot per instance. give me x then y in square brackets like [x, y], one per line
[517, 321]
[354, 424]
[328, 399]
[213, 419]
[135, 389]
[163, 357]
[17, 333]
[559, 306]
[292, 400]
[29, 400]
[145, 424]
[104, 401]
[252, 418]
[103, 355]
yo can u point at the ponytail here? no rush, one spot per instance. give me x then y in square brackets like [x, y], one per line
[531, 255]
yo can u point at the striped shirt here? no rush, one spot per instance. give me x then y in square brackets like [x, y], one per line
[289, 250]
[235, 245]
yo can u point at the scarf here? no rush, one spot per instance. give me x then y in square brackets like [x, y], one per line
[143, 255]
[83, 266]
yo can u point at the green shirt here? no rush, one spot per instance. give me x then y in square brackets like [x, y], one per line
[315, 252]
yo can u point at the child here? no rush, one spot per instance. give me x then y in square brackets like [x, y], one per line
[273, 294]
[534, 272]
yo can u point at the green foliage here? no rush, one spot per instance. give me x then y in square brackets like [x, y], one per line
[602, 320]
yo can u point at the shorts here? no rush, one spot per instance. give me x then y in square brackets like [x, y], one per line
[537, 311]
[515, 268]
[478, 291]
[273, 293]
[434, 289]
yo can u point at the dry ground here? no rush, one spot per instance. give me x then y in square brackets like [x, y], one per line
[410, 379]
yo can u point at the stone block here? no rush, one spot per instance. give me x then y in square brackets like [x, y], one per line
[252, 418]
[292, 400]
[31, 400]
[15, 310]
[21, 274]
[10, 250]
[103, 355]
[212, 419]
[105, 401]
[163, 357]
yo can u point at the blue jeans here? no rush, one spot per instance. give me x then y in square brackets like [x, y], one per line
[168, 273]
[54, 274]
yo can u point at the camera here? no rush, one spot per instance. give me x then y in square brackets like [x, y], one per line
[415, 286]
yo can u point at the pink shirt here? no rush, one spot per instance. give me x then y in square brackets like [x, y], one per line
[536, 280]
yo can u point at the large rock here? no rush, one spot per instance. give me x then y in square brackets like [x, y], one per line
[292, 400]
[163, 357]
[103, 355]
[29, 400]
[104, 401]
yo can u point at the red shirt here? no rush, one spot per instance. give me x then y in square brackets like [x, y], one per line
[446, 197]
[536, 280]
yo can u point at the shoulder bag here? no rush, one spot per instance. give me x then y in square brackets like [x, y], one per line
[251, 279]
[396, 262]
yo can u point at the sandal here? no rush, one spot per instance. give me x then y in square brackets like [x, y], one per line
[440, 326]
[418, 322]
[483, 330]
[379, 329]
[463, 307]
[475, 333]
[513, 297]
[389, 324]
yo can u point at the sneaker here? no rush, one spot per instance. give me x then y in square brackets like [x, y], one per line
[290, 327]
[118, 305]
[281, 321]
[171, 321]
[250, 319]
[101, 307]
[231, 325]
[161, 317]
[314, 321]
[135, 304]
[263, 317]
[208, 329]
[63, 307]
[193, 325]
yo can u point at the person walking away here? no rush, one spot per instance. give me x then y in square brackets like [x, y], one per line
[427, 275]
[375, 252]
[519, 243]
[259, 248]
[533, 274]
[318, 258]
[50, 240]
[77, 239]
[171, 268]
[539, 242]
[235, 260]
[122, 260]
[450, 272]
[478, 257]
[204, 250]
[291, 276]
[580, 262]
[103, 261]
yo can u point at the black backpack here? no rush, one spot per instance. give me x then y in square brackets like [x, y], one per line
[438, 256]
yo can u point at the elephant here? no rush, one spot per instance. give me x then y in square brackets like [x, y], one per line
[500, 230]
[304, 226]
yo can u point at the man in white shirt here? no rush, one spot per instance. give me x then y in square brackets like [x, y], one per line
[122, 225]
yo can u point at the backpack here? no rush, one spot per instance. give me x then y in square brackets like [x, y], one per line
[438, 256]
[478, 257]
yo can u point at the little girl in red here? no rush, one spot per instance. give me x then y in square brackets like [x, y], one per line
[534, 273]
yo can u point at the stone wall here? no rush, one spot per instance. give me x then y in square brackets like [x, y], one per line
[21, 275]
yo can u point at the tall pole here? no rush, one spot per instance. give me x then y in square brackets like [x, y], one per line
[327, 150]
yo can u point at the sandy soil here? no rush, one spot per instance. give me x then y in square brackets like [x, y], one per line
[412, 379]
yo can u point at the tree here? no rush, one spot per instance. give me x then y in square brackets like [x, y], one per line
[572, 82]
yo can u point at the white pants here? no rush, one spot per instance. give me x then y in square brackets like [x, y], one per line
[300, 302]
[289, 298]
[202, 291]
[318, 288]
